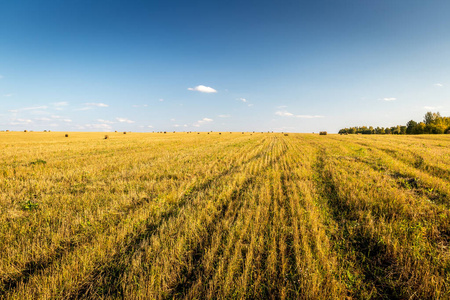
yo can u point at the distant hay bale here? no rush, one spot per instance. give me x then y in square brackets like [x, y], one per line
[66, 135]
[174, 132]
[208, 132]
[165, 132]
[7, 130]
[25, 131]
[124, 132]
[115, 130]
[45, 130]
[106, 137]
[323, 133]
[242, 133]
[286, 134]
[220, 133]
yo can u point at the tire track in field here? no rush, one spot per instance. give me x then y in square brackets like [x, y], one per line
[67, 246]
[200, 274]
[372, 258]
[116, 266]
[439, 194]
[418, 160]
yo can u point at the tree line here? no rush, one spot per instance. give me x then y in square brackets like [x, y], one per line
[433, 123]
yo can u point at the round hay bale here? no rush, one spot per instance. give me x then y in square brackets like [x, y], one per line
[106, 137]
[66, 135]
[25, 131]
[124, 132]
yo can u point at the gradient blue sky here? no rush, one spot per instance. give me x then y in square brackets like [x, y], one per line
[298, 66]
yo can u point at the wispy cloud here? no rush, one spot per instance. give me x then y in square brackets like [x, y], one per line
[161, 100]
[105, 121]
[242, 99]
[203, 89]
[143, 105]
[284, 114]
[224, 116]
[438, 84]
[202, 121]
[124, 120]
[21, 122]
[96, 126]
[288, 114]
[8, 95]
[389, 99]
[59, 104]
[431, 107]
[28, 108]
[96, 104]
[309, 116]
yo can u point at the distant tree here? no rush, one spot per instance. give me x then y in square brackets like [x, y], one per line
[403, 129]
[410, 126]
[430, 117]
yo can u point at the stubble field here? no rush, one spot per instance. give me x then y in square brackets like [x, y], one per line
[262, 215]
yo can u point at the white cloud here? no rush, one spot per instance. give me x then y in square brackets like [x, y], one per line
[224, 116]
[144, 105]
[96, 104]
[124, 120]
[202, 121]
[105, 121]
[28, 108]
[242, 99]
[8, 95]
[438, 84]
[43, 119]
[389, 99]
[288, 114]
[284, 114]
[67, 120]
[59, 104]
[308, 116]
[21, 122]
[150, 126]
[96, 126]
[203, 89]
[161, 100]
[431, 107]
[84, 108]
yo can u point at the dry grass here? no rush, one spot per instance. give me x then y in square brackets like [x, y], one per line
[156, 216]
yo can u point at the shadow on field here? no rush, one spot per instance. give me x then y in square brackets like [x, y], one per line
[373, 274]
[106, 279]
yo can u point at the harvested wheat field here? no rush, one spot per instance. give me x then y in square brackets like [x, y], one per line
[224, 216]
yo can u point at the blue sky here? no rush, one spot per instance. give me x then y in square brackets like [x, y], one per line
[297, 66]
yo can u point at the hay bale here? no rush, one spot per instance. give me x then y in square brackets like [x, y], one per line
[115, 130]
[106, 137]
[220, 133]
[323, 133]
[124, 132]
[66, 135]
[286, 134]
[25, 130]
